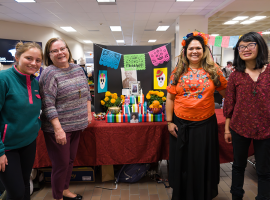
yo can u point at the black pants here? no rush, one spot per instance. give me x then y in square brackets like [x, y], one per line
[17, 174]
[262, 156]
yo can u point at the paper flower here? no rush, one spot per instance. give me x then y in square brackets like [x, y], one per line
[195, 33]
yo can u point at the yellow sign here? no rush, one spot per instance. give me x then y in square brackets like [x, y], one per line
[160, 78]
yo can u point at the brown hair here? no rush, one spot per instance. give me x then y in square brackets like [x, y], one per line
[207, 62]
[47, 59]
[23, 47]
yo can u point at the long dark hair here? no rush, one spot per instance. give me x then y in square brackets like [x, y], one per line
[207, 62]
[262, 57]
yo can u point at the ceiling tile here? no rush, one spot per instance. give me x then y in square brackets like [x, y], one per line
[90, 7]
[95, 16]
[53, 7]
[126, 7]
[142, 16]
[109, 8]
[126, 16]
[162, 7]
[144, 7]
[111, 16]
[17, 7]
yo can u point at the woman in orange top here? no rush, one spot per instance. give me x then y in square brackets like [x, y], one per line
[190, 110]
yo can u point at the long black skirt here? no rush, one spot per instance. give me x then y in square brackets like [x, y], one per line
[194, 160]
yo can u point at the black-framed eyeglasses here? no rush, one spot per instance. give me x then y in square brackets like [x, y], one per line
[55, 51]
[250, 46]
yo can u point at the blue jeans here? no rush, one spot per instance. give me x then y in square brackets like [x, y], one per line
[262, 156]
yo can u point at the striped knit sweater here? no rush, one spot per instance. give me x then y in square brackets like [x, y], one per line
[59, 90]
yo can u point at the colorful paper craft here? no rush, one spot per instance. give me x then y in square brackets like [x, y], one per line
[110, 58]
[160, 78]
[159, 55]
[134, 62]
[102, 81]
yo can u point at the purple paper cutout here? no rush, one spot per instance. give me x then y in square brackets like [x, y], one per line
[159, 55]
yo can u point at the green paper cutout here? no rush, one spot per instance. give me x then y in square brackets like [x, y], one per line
[218, 41]
[134, 62]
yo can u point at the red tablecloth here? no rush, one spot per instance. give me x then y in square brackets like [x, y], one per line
[125, 143]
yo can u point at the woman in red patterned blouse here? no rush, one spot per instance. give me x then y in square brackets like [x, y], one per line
[247, 112]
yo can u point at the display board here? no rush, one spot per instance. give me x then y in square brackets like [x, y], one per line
[114, 75]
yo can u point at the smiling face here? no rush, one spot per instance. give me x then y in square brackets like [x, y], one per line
[30, 61]
[61, 55]
[194, 52]
[248, 54]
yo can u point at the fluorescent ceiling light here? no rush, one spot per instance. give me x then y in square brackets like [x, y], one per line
[266, 32]
[184, 0]
[101, 1]
[116, 28]
[247, 22]
[87, 41]
[215, 34]
[231, 22]
[152, 40]
[240, 18]
[162, 28]
[68, 29]
[257, 18]
[120, 41]
[25, 1]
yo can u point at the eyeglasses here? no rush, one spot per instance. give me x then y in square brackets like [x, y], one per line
[55, 51]
[250, 46]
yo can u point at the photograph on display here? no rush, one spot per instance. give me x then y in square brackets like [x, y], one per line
[134, 117]
[128, 76]
[102, 81]
[135, 88]
[160, 78]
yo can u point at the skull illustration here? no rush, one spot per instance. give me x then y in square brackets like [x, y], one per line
[102, 80]
[160, 78]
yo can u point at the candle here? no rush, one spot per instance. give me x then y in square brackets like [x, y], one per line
[135, 100]
[139, 108]
[128, 110]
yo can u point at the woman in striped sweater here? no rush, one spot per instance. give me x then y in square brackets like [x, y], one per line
[66, 111]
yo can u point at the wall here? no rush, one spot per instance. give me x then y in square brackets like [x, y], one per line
[227, 54]
[18, 31]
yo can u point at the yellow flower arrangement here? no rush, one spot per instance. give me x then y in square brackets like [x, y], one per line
[154, 96]
[112, 99]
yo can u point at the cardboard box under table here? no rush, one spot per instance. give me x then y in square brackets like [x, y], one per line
[79, 174]
[121, 118]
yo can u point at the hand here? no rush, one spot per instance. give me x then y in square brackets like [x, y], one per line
[228, 137]
[89, 118]
[171, 128]
[3, 163]
[60, 136]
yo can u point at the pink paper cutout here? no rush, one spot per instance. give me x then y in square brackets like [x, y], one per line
[159, 55]
[225, 41]
[212, 40]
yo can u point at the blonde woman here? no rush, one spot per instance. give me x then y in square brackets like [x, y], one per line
[190, 110]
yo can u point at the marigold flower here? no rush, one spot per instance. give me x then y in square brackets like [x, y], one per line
[161, 94]
[148, 96]
[163, 98]
[122, 97]
[107, 94]
[102, 102]
[112, 100]
[106, 99]
[195, 33]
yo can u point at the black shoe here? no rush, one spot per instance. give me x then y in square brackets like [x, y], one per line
[78, 197]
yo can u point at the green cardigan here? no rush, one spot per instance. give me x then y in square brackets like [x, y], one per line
[20, 106]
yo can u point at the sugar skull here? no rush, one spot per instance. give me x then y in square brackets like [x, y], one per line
[160, 78]
[102, 80]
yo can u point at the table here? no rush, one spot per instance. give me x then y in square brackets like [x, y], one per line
[104, 143]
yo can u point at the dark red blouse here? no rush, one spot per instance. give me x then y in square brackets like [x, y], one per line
[250, 115]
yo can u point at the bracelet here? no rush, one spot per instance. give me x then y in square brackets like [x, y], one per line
[169, 122]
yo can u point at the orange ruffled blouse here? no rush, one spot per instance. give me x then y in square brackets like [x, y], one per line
[194, 100]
